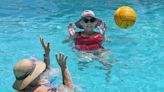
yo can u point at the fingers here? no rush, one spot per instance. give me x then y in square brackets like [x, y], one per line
[42, 41]
[71, 29]
[70, 25]
[104, 25]
[45, 46]
[61, 57]
[61, 60]
[57, 57]
[65, 59]
[40, 38]
[48, 44]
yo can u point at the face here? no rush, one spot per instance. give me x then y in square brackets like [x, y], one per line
[89, 23]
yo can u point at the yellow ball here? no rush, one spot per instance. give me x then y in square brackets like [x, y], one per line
[125, 17]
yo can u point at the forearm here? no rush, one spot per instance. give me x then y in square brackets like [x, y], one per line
[47, 60]
[67, 81]
[69, 38]
[105, 38]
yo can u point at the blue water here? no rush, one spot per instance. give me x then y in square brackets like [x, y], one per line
[139, 51]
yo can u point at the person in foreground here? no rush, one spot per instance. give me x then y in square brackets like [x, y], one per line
[28, 74]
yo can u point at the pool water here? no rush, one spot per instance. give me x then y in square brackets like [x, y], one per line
[137, 54]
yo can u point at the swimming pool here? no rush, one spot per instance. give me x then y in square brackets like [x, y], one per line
[139, 51]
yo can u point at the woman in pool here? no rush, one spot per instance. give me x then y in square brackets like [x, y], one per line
[88, 40]
[28, 73]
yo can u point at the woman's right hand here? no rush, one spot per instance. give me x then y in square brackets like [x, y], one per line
[61, 59]
[45, 46]
[71, 29]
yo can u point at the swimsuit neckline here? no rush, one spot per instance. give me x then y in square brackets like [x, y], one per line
[80, 34]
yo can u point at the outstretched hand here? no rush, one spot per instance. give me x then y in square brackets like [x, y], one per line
[103, 28]
[71, 29]
[61, 59]
[45, 46]
[102, 32]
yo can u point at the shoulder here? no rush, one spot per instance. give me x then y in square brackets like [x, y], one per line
[96, 34]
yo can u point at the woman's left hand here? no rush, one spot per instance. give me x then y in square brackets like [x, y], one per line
[103, 28]
[61, 59]
[45, 46]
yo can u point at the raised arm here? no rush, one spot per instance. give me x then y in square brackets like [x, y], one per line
[72, 33]
[67, 80]
[102, 32]
[46, 52]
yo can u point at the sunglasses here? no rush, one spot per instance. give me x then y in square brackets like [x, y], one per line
[89, 20]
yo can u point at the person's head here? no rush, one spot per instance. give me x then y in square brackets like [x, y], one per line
[27, 73]
[88, 21]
